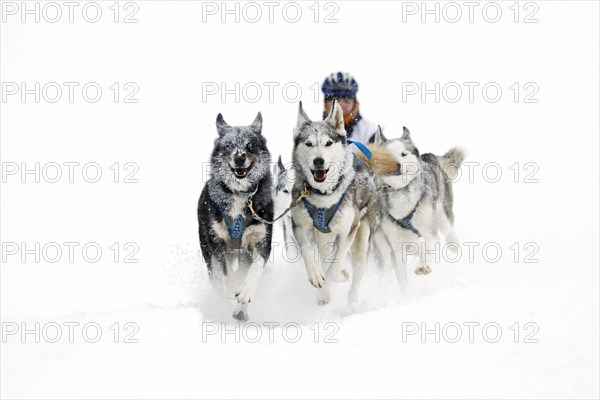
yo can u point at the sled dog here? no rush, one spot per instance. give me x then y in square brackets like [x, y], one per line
[415, 201]
[337, 208]
[283, 196]
[228, 229]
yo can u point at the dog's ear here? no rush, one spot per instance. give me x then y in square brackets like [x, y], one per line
[405, 133]
[302, 120]
[257, 124]
[221, 125]
[336, 118]
[281, 173]
[378, 138]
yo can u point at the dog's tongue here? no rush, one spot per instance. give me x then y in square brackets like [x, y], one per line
[319, 175]
[240, 171]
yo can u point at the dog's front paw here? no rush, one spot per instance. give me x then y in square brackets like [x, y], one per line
[423, 270]
[324, 296]
[353, 304]
[340, 276]
[244, 295]
[240, 315]
[452, 239]
[316, 277]
[248, 288]
[452, 248]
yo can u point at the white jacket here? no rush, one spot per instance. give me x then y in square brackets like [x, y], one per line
[363, 130]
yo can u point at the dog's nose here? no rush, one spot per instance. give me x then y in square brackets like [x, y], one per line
[239, 159]
[319, 162]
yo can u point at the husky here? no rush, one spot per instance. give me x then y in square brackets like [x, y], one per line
[337, 192]
[228, 230]
[283, 198]
[415, 200]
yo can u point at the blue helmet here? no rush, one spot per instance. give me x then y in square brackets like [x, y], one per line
[339, 85]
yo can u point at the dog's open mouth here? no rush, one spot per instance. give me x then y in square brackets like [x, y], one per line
[241, 173]
[319, 174]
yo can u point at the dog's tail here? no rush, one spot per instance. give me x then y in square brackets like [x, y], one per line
[451, 161]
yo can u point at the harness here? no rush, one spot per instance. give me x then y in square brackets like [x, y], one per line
[236, 227]
[322, 217]
[406, 222]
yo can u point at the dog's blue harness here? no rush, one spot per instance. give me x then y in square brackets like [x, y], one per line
[235, 227]
[322, 217]
[406, 222]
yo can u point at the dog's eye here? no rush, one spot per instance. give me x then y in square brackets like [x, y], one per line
[249, 146]
[329, 143]
[404, 154]
[286, 191]
[308, 144]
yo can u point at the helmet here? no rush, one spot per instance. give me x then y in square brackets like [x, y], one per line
[339, 85]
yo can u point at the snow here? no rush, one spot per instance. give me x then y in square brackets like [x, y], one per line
[169, 134]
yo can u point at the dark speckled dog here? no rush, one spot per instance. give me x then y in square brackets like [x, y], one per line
[227, 228]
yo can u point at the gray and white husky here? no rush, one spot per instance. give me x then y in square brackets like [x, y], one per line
[284, 182]
[338, 211]
[240, 171]
[415, 201]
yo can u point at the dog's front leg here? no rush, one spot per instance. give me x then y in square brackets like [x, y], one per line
[398, 258]
[305, 238]
[223, 258]
[257, 247]
[288, 232]
[222, 276]
[248, 288]
[228, 277]
[246, 291]
[427, 249]
[398, 245]
[360, 250]
[342, 245]
[334, 259]
[382, 249]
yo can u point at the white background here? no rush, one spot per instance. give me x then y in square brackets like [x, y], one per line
[169, 133]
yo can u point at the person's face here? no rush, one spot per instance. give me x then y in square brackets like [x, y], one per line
[347, 105]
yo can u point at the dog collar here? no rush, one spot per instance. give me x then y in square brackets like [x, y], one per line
[249, 193]
[322, 193]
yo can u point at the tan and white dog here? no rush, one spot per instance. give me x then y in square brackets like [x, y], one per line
[415, 201]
